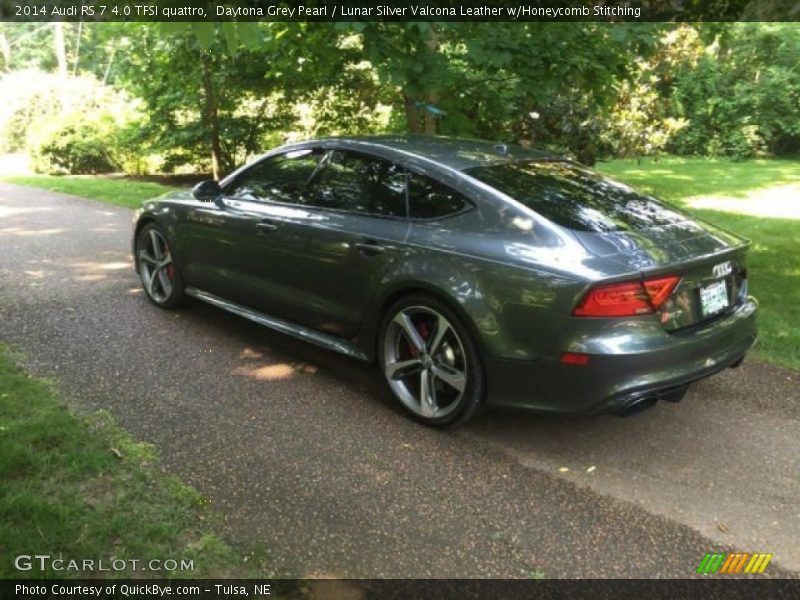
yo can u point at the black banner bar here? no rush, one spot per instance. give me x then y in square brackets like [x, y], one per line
[390, 589]
[399, 10]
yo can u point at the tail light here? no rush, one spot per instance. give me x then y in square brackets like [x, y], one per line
[575, 358]
[626, 299]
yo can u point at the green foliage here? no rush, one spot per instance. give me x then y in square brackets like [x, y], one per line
[213, 95]
[28, 96]
[67, 124]
[642, 121]
[74, 145]
[195, 90]
[537, 83]
[742, 97]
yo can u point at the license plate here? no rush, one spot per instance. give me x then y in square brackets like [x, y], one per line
[714, 298]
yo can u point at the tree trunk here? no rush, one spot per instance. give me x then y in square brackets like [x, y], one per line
[430, 118]
[412, 114]
[108, 66]
[5, 51]
[212, 118]
[60, 49]
[77, 49]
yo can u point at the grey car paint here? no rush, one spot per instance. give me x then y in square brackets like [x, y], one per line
[512, 275]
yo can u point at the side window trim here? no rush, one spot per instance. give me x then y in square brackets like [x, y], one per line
[327, 152]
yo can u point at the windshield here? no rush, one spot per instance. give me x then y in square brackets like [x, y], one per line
[576, 197]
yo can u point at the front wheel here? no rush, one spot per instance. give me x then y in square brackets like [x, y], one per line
[157, 269]
[430, 362]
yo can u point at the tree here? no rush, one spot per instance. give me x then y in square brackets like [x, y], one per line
[60, 48]
[200, 99]
[541, 83]
[5, 50]
[413, 58]
[742, 96]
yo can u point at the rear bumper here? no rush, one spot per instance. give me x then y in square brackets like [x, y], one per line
[614, 380]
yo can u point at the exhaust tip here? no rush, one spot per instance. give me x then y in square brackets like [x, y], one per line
[738, 363]
[638, 406]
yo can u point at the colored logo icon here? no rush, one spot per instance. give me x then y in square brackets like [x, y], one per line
[732, 563]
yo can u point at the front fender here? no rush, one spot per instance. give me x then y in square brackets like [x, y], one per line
[167, 217]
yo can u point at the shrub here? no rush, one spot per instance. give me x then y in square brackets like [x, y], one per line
[743, 97]
[27, 96]
[70, 124]
[75, 145]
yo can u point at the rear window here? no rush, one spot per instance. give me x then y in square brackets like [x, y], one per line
[576, 197]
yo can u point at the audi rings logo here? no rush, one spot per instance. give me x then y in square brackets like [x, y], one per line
[722, 269]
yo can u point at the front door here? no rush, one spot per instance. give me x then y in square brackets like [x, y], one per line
[324, 255]
[304, 236]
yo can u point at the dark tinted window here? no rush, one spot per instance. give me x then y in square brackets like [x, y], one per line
[576, 197]
[429, 199]
[281, 178]
[357, 183]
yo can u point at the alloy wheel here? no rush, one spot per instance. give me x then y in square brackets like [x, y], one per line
[155, 266]
[424, 362]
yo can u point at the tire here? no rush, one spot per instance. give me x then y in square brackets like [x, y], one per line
[157, 269]
[412, 352]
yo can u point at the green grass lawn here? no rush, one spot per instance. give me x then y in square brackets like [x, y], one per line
[114, 190]
[80, 488]
[759, 199]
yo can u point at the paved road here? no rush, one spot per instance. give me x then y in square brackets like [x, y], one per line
[303, 451]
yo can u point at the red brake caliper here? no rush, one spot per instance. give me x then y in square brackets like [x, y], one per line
[170, 271]
[424, 332]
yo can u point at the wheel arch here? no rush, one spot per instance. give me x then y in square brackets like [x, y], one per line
[141, 223]
[166, 224]
[371, 330]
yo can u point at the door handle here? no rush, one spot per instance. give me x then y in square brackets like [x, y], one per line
[369, 247]
[266, 226]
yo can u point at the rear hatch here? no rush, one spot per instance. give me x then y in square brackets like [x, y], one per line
[643, 235]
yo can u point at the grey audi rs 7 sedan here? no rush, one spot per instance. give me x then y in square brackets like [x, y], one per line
[474, 274]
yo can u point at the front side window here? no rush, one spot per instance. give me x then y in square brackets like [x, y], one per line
[362, 184]
[282, 178]
[429, 199]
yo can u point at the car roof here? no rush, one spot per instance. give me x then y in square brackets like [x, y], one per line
[455, 153]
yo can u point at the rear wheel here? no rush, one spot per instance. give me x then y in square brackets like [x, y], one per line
[157, 270]
[430, 361]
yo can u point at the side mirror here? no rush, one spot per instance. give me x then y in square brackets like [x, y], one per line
[207, 191]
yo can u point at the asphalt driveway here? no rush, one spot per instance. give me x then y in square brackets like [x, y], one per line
[302, 450]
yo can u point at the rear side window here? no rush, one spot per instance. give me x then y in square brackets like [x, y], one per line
[362, 184]
[576, 197]
[429, 199]
[282, 178]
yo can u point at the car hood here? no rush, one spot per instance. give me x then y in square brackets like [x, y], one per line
[660, 246]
